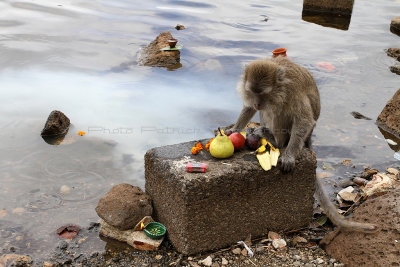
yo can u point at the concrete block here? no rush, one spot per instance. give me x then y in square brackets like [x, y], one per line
[344, 7]
[234, 198]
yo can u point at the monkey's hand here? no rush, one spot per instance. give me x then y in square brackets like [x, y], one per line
[287, 162]
[264, 132]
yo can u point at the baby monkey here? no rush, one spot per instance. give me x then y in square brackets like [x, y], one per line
[287, 98]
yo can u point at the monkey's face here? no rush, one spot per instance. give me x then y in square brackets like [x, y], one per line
[256, 93]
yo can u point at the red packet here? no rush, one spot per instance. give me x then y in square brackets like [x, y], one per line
[196, 167]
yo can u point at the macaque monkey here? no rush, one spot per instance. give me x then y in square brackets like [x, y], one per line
[287, 98]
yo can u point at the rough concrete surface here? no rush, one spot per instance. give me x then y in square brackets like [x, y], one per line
[378, 249]
[235, 198]
[124, 206]
[330, 6]
[152, 56]
[389, 119]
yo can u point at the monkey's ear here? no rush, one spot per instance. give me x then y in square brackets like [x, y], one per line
[280, 74]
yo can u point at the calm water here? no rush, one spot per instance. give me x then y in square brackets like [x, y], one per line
[80, 57]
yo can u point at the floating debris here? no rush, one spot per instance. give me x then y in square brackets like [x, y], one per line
[69, 231]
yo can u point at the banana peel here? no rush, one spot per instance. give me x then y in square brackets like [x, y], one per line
[263, 141]
[274, 153]
[265, 160]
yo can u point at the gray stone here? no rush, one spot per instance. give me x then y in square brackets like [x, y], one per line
[234, 198]
[124, 206]
[152, 56]
[395, 69]
[389, 119]
[57, 124]
[395, 25]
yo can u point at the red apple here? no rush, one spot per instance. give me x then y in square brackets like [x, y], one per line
[237, 140]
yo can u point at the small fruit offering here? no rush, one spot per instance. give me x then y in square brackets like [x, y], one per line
[221, 147]
[237, 140]
[252, 141]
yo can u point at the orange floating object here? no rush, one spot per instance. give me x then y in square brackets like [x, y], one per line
[81, 133]
[279, 52]
[326, 66]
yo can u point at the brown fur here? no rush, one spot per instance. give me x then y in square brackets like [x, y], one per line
[288, 100]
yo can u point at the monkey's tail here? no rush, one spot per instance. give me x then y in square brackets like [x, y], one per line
[334, 216]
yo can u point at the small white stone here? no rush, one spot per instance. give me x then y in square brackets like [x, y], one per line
[158, 257]
[224, 261]
[278, 243]
[320, 261]
[65, 190]
[207, 261]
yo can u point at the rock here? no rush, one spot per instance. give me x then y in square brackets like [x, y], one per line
[206, 262]
[224, 261]
[158, 257]
[279, 243]
[296, 263]
[320, 261]
[360, 181]
[244, 252]
[195, 207]
[152, 56]
[346, 162]
[273, 235]
[395, 25]
[180, 27]
[124, 206]
[376, 249]
[47, 264]
[193, 264]
[137, 239]
[343, 7]
[296, 257]
[393, 171]
[298, 239]
[394, 52]
[15, 260]
[367, 173]
[57, 124]
[395, 69]
[357, 115]
[389, 119]
[65, 190]
[347, 194]
[237, 251]
[215, 264]
[18, 211]
[321, 175]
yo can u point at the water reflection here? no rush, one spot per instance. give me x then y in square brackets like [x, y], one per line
[336, 21]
